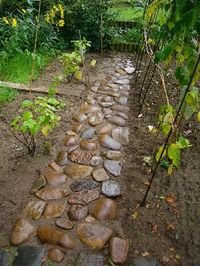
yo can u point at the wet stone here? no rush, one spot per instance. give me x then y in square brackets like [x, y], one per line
[84, 197]
[56, 255]
[91, 260]
[141, 261]
[54, 209]
[81, 157]
[80, 185]
[39, 183]
[107, 142]
[113, 167]
[79, 117]
[122, 100]
[76, 171]
[118, 250]
[21, 232]
[88, 133]
[34, 209]
[61, 158]
[100, 175]
[93, 235]
[50, 235]
[96, 161]
[64, 223]
[95, 119]
[29, 256]
[121, 135]
[114, 155]
[51, 193]
[53, 178]
[111, 188]
[117, 120]
[77, 212]
[105, 209]
[88, 145]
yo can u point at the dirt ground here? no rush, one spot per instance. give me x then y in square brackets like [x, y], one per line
[171, 235]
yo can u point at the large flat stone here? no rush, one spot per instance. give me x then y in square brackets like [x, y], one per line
[107, 142]
[51, 193]
[113, 167]
[76, 171]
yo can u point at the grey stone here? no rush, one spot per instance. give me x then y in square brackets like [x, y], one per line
[111, 188]
[91, 260]
[29, 256]
[80, 185]
[141, 261]
[122, 100]
[117, 120]
[5, 258]
[88, 133]
[113, 167]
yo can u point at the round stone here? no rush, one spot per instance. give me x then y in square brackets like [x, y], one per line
[100, 175]
[105, 209]
[114, 155]
[54, 209]
[61, 158]
[111, 188]
[90, 109]
[96, 161]
[88, 145]
[107, 142]
[113, 167]
[81, 157]
[64, 223]
[51, 193]
[88, 133]
[54, 179]
[76, 171]
[80, 185]
[129, 70]
[79, 117]
[70, 141]
[34, 209]
[77, 212]
[95, 119]
[121, 135]
[122, 100]
[118, 250]
[77, 127]
[104, 129]
[39, 183]
[84, 197]
[56, 255]
[117, 120]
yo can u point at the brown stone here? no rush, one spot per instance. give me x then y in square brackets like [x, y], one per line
[107, 111]
[21, 232]
[113, 94]
[105, 209]
[90, 100]
[70, 141]
[39, 183]
[95, 119]
[90, 219]
[121, 135]
[93, 235]
[117, 120]
[64, 223]
[77, 212]
[104, 129]
[84, 197]
[55, 167]
[54, 209]
[56, 255]
[100, 175]
[82, 157]
[50, 235]
[114, 155]
[61, 158]
[118, 250]
[90, 109]
[77, 127]
[34, 209]
[76, 171]
[53, 178]
[79, 117]
[88, 145]
[107, 142]
[51, 193]
[121, 114]
[120, 108]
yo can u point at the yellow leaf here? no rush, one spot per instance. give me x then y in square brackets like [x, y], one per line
[78, 75]
[198, 116]
[93, 63]
[45, 131]
[170, 169]
[135, 215]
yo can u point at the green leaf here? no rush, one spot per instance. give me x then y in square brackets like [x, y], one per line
[158, 154]
[183, 143]
[27, 115]
[26, 104]
[32, 126]
[174, 154]
[166, 129]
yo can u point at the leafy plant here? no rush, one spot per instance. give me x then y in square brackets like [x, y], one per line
[71, 65]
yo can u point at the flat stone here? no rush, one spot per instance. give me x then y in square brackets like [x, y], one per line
[113, 94]
[76, 171]
[113, 167]
[90, 109]
[51, 193]
[107, 111]
[90, 219]
[84, 197]
[106, 104]
[106, 98]
[93, 235]
[111, 188]
[141, 261]
[88, 145]
[64, 223]
[124, 93]
[107, 142]
[70, 141]
[121, 135]
[91, 260]
[56, 255]
[21, 232]
[61, 158]
[96, 119]
[77, 127]
[129, 70]
[54, 209]
[96, 161]
[122, 100]
[77, 212]
[79, 117]
[55, 167]
[104, 129]
[94, 89]
[123, 115]
[54, 179]
[88, 133]
[112, 85]
[105, 209]
[118, 250]
[39, 183]
[117, 120]
[122, 81]
[114, 155]
[100, 175]
[80, 185]
[50, 235]
[81, 157]
[29, 256]
[34, 209]
[125, 87]
[90, 100]
[120, 108]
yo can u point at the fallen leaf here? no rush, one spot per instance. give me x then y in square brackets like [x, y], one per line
[145, 254]
[178, 257]
[170, 227]
[135, 215]
[170, 199]
[146, 183]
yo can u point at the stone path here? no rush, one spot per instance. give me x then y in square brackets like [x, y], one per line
[74, 201]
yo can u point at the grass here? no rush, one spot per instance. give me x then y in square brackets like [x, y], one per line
[7, 95]
[127, 13]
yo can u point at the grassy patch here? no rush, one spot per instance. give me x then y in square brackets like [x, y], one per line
[127, 13]
[7, 95]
